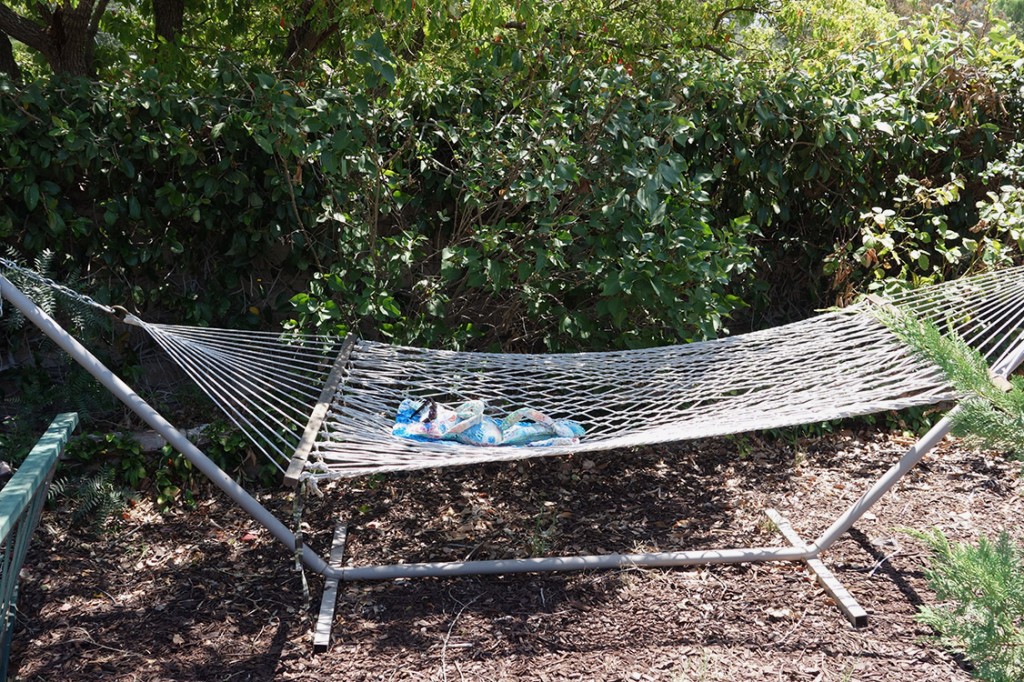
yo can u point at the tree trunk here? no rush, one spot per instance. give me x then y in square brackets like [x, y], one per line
[70, 48]
[169, 18]
[306, 36]
[8, 64]
[66, 37]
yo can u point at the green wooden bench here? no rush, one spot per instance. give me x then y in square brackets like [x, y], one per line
[21, 502]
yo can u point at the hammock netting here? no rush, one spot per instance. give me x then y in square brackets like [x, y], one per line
[838, 364]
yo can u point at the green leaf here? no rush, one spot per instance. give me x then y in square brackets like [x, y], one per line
[31, 197]
[884, 127]
[669, 174]
[265, 143]
[611, 284]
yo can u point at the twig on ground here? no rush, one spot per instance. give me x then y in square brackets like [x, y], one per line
[878, 564]
[448, 635]
[791, 630]
[87, 639]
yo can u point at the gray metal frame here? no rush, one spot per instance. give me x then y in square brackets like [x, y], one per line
[797, 551]
[21, 503]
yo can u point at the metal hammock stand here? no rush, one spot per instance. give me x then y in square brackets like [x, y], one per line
[322, 407]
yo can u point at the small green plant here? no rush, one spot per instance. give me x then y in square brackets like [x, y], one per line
[176, 479]
[545, 529]
[983, 617]
[168, 475]
[233, 452]
[122, 453]
[174, 472]
[696, 669]
[744, 447]
[100, 477]
[95, 498]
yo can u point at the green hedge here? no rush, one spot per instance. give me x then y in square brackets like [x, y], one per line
[527, 200]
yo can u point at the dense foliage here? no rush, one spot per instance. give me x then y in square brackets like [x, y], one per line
[530, 199]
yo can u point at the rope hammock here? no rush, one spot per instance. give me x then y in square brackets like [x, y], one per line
[838, 364]
[322, 407]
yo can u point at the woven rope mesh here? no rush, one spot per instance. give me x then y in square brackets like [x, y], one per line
[835, 365]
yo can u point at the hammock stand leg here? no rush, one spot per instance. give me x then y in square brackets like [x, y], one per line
[857, 616]
[329, 600]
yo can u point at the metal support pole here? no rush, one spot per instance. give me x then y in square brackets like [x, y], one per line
[1010, 361]
[884, 484]
[153, 418]
[575, 563]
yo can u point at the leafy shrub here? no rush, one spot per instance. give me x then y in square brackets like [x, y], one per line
[525, 197]
[574, 219]
[933, 225]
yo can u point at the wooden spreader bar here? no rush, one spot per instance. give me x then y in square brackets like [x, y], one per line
[298, 462]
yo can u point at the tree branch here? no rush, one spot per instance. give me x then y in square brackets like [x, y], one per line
[94, 22]
[44, 11]
[714, 50]
[739, 8]
[22, 29]
[304, 36]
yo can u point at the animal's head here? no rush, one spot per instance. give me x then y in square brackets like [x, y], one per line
[416, 410]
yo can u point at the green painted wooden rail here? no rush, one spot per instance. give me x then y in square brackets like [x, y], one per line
[21, 502]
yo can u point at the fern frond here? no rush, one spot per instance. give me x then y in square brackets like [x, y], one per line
[989, 427]
[95, 498]
[57, 488]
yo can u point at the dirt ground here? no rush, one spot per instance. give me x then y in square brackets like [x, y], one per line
[208, 595]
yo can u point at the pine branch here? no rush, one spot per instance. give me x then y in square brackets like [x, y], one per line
[990, 417]
[983, 591]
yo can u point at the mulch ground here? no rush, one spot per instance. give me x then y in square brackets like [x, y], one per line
[208, 595]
